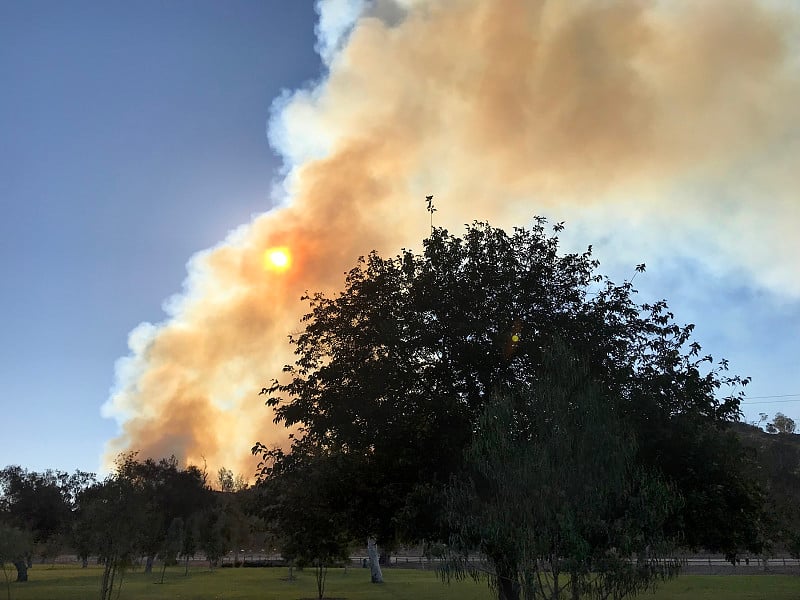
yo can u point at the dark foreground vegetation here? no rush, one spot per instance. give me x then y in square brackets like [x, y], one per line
[520, 416]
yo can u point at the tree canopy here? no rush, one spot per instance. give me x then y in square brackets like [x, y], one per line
[781, 424]
[42, 506]
[393, 373]
[552, 498]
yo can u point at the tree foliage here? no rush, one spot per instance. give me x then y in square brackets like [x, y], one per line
[15, 545]
[308, 509]
[112, 520]
[552, 498]
[170, 492]
[42, 505]
[229, 482]
[781, 424]
[393, 373]
[777, 467]
[139, 510]
[171, 544]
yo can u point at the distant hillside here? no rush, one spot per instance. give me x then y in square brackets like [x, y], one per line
[776, 465]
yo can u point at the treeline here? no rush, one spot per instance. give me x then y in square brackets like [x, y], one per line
[520, 414]
[146, 509]
[150, 510]
[776, 467]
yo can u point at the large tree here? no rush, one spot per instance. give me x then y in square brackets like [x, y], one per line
[394, 372]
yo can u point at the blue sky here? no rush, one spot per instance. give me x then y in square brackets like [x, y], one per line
[131, 136]
[134, 135]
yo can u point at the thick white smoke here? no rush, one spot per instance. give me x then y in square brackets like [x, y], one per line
[669, 129]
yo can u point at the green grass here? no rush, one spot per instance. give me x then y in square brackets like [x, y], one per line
[733, 587]
[72, 583]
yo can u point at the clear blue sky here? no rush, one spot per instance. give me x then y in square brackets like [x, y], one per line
[132, 135]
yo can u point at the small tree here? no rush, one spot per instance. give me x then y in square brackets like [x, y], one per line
[781, 424]
[111, 518]
[211, 532]
[171, 545]
[38, 503]
[306, 507]
[236, 524]
[169, 492]
[229, 482]
[190, 540]
[15, 544]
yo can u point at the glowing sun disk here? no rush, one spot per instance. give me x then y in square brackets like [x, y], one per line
[277, 259]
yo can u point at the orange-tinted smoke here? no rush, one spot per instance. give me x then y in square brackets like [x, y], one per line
[674, 113]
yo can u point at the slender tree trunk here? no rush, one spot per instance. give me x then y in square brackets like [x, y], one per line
[321, 572]
[107, 583]
[574, 583]
[119, 585]
[507, 584]
[104, 580]
[376, 576]
[556, 583]
[114, 564]
[508, 589]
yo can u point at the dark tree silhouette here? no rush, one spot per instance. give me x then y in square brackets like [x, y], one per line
[394, 372]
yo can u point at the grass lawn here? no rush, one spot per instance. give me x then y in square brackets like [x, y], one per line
[72, 583]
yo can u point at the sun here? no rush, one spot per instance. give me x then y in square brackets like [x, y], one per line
[277, 259]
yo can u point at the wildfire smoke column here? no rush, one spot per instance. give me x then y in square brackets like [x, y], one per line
[668, 116]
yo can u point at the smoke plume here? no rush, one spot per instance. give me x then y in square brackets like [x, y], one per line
[670, 128]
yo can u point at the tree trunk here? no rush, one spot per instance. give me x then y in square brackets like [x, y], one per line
[376, 576]
[575, 585]
[148, 565]
[508, 589]
[507, 584]
[22, 569]
[321, 572]
[107, 583]
[556, 584]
